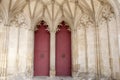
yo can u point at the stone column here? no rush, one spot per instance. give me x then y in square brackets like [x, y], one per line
[74, 55]
[25, 52]
[52, 53]
[30, 54]
[12, 51]
[118, 38]
[4, 37]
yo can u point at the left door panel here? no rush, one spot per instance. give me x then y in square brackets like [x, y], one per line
[41, 51]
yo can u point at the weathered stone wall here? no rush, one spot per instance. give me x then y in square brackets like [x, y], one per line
[95, 39]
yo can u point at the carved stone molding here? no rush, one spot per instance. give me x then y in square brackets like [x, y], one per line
[41, 23]
[63, 23]
[18, 21]
[85, 21]
[107, 13]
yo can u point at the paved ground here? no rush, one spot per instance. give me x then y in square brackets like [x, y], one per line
[81, 76]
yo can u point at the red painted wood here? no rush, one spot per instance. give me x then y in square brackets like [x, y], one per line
[41, 52]
[63, 51]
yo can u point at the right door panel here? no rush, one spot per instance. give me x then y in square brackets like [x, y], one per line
[63, 51]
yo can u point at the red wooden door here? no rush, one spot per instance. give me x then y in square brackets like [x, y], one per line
[41, 51]
[63, 51]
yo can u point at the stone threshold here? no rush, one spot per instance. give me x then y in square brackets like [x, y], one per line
[52, 78]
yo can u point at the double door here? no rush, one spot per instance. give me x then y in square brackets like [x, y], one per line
[42, 52]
